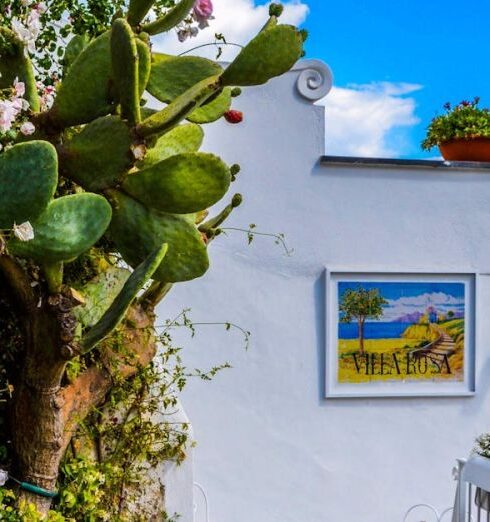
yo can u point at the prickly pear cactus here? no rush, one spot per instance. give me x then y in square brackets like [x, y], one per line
[98, 183]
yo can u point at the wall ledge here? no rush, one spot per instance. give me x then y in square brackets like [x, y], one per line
[348, 161]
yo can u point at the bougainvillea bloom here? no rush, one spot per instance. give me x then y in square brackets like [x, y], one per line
[203, 9]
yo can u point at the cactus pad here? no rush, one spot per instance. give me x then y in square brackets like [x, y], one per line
[171, 76]
[125, 72]
[212, 110]
[75, 46]
[180, 108]
[138, 9]
[172, 18]
[99, 294]
[183, 138]
[99, 155]
[271, 53]
[84, 93]
[116, 312]
[137, 231]
[28, 178]
[144, 56]
[14, 63]
[181, 184]
[68, 227]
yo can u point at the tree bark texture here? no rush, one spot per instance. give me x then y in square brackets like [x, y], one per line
[45, 411]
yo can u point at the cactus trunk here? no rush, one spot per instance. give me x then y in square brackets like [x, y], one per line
[44, 415]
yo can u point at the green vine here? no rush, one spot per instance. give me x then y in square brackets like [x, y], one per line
[106, 468]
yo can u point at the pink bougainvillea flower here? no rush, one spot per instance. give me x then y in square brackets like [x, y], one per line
[19, 88]
[8, 113]
[203, 8]
[203, 11]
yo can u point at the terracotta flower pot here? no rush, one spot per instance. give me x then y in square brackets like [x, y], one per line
[474, 149]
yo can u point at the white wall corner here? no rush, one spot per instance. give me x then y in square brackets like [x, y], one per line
[315, 79]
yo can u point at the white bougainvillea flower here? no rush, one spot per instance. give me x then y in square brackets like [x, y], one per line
[24, 232]
[139, 151]
[27, 128]
[41, 7]
[28, 33]
[4, 476]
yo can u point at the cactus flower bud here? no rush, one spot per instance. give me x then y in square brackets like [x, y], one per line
[233, 116]
[236, 91]
[236, 200]
[276, 10]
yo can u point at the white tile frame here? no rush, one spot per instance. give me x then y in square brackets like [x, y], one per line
[467, 388]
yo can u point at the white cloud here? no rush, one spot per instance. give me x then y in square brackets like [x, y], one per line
[238, 21]
[361, 119]
[434, 298]
[408, 305]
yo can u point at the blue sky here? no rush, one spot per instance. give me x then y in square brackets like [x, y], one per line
[441, 45]
[395, 63]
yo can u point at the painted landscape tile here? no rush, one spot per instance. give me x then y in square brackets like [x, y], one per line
[400, 331]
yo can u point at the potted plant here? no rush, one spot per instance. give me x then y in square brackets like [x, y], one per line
[462, 133]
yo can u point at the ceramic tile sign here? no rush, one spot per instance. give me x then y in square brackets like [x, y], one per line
[400, 334]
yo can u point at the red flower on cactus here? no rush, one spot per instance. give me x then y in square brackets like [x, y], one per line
[233, 116]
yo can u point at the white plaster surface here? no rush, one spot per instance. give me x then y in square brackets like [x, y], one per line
[270, 447]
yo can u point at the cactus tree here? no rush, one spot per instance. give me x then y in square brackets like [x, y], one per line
[104, 181]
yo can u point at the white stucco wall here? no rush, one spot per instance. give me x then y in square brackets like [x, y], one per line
[270, 447]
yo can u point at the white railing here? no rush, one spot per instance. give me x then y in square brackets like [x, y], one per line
[471, 503]
[201, 513]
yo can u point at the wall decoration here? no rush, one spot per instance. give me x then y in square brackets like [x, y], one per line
[400, 334]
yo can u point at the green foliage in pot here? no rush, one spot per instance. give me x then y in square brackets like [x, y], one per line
[463, 121]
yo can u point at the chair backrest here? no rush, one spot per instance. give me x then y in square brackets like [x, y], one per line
[471, 502]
